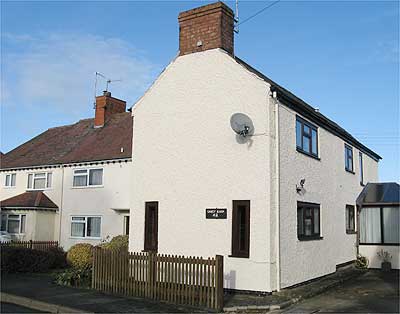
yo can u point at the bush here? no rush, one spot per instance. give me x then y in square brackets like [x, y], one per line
[75, 277]
[120, 242]
[362, 262]
[60, 257]
[19, 259]
[80, 256]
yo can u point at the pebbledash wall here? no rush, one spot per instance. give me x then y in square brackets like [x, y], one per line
[326, 183]
[110, 202]
[188, 159]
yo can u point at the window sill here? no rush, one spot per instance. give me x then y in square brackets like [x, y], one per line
[307, 154]
[350, 171]
[45, 189]
[381, 244]
[9, 187]
[238, 256]
[310, 238]
[87, 187]
[351, 232]
[85, 238]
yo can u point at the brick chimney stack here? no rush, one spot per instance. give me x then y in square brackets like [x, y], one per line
[206, 27]
[105, 107]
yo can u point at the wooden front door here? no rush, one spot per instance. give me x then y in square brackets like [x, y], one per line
[151, 227]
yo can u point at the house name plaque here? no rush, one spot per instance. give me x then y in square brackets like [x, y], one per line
[216, 213]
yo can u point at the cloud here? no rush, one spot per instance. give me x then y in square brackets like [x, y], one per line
[57, 71]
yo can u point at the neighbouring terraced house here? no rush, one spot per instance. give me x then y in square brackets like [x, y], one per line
[71, 183]
[279, 204]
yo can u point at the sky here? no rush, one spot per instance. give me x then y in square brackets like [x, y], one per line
[339, 56]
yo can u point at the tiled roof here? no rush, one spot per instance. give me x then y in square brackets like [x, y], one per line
[75, 143]
[33, 199]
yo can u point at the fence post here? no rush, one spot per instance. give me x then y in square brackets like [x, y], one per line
[94, 266]
[30, 244]
[219, 284]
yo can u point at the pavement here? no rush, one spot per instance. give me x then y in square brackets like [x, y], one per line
[37, 291]
[372, 292]
[13, 308]
[347, 290]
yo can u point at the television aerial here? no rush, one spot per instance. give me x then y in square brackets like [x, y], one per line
[242, 125]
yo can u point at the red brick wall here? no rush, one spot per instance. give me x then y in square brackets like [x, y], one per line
[211, 24]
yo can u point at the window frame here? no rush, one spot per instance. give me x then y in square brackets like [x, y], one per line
[20, 231]
[46, 182]
[350, 229]
[306, 205]
[235, 238]
[151, 234]
[312, 128]
[87, 174]
[382, 227]
[85, 222]
[10, 176]
[348, 148]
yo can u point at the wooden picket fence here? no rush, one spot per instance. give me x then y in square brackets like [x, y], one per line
[176, 279]
[35, 245]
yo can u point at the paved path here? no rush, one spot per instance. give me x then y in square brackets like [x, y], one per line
[373, 292]
[40, 288]
[13, 308]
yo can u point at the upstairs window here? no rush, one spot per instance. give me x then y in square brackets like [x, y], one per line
[350, 222]
[10, 180]
[361, 169]
[306, 137]
[308, 221]
[348, 158]
[39, 180]
[88, 177]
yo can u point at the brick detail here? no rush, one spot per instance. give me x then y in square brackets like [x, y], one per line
[212, 25]
[106, 106]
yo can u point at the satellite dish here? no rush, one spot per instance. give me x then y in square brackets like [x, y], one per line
[242, 124]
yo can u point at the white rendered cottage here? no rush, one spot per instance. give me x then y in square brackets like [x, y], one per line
[71, 183]
[286, 195]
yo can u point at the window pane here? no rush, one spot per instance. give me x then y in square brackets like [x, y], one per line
[7, 180]
[306, 144]
[30, 177]
[361, 169]
[49, 177]
[93, 226]
[13, 179]
[40, 175]
[78, 218]
[96, 177]
[391, 219]
[298, 134]
[307, 129]
[308, 226]
[77, 229]
[80, 180]
[13, 226]
[3, 222]
[370, 225]
[316, 221]
[39, 183]
[314, 148]
[300, 226]
[23, 222]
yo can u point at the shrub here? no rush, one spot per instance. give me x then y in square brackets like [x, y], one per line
[19, 259]
[120, 242]
[75, 277]
[60, 257]
[80, 256]
[362, 262]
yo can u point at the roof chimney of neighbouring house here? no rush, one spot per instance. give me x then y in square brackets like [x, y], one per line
[105, 107]
[207, 27]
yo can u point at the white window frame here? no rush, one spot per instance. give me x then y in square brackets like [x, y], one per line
[47, 186]
[85, 229]
[10, 176]
[87, 174]
[19, 219]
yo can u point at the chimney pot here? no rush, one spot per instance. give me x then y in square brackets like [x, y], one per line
[107, 93]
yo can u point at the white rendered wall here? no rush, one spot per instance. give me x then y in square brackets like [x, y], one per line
[326, 183]
[188, 159]
[370, 251]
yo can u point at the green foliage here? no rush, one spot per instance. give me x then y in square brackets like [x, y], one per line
[75, 277]
[80, 256]
[120, 242]
[362, 262]
[20, 260]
